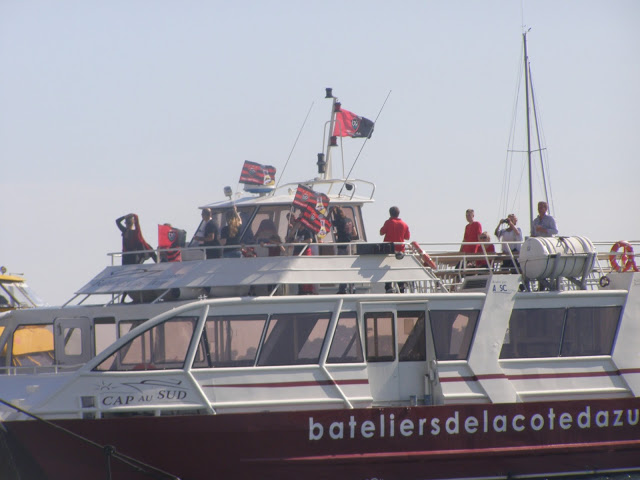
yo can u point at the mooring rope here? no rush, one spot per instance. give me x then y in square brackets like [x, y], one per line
[108, 450]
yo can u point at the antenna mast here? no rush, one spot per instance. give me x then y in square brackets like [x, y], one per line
[526, 83]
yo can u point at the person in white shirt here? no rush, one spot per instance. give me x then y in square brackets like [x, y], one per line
[508, 235]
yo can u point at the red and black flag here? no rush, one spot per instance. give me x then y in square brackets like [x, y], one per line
[322, 203]
[255, 174]
[349, 124]
[311, 218]
[170, 238]
[304, 196]
[325, 227]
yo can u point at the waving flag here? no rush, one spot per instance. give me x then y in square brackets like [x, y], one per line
[255, 174]
[314, 206]
[169, 238]
[311, 218]
[349, 124]
[304, 196]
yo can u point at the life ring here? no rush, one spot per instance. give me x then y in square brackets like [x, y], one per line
[627, 259]
[424, 256]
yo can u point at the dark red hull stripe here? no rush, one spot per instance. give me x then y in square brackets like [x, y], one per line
[311, 383]
[540, 376]
[426, 454]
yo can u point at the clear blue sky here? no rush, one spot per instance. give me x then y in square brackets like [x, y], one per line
[151, 107]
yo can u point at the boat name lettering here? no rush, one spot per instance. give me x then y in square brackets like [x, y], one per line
[388, 426]
[500, 287]
[117, 400]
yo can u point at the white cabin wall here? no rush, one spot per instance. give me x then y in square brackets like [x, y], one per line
[490, 332]
[626, 350]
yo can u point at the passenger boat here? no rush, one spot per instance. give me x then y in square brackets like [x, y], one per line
[218, 368]
[16, 293]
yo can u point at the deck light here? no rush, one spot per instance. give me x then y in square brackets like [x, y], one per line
[329, 92]
[228, 192]
[322, 164]
[333, 141]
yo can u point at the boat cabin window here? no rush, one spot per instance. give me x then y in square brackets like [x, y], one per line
[219, 217]
[18, 295]
[560, 332]
[162, 347]
[32, 346]
[267, 222]
[380, 337]
[590, 331]
[453, 331]
[105, 332]
[346, 346]
[294, 339]
[231, 340]
[125, 326]
[412, 345]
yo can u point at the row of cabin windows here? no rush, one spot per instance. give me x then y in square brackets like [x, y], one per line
[561, 332]
[296, 339]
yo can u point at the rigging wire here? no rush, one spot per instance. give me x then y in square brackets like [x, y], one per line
[109, 450]
[509, 159]
[363, 144]
[544, 158]
[294, 144]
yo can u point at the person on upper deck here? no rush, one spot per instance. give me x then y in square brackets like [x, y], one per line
[345, 232]
[230, 234]
[485, 248]
[544, 225]
[397, 231]
[133, 241]
[208, 235]
[509, 232]
[267, 234]
[471, 233]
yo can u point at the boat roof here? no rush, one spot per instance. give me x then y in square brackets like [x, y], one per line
[284, 194]
[227, 272]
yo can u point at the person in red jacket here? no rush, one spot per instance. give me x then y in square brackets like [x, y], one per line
[397, 231]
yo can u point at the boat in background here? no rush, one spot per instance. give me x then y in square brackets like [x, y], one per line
[226, 368]
[15, 293]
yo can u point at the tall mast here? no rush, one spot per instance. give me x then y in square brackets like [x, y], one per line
[331, 141]
[526, 83]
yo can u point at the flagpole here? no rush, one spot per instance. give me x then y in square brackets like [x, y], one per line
[328, 171]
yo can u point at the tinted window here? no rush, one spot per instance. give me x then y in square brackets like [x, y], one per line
[411, 337]
[231, 341]
[380, 337]
[561, 332]
[590, 331]
[452, 332]
[164, 346]
[346, 346]
[294, 339]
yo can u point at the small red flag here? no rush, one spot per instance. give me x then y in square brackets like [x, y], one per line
[349, 124]
[255, 174]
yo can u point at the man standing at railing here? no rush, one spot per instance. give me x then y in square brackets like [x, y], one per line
[544, 225]
[397, 231]
[509, 233]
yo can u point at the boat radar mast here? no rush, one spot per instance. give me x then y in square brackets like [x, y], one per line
[531, 104]
[324, 162]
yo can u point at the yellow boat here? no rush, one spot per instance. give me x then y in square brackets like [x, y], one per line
[15, 293]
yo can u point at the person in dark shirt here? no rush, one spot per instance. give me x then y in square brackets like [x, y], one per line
[345, 233]
[133, 241]
[231, 233]
[208, 235]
